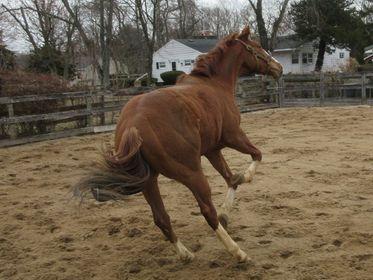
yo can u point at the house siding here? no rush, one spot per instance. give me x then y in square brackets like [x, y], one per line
[176, 52]
[332, 62]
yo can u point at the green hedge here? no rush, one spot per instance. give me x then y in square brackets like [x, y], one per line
[170, 77]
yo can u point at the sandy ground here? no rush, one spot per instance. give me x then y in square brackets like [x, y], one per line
[308, 214]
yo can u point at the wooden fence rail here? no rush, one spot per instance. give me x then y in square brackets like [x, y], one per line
[97, 110]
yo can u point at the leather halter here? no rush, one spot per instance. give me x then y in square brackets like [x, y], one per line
[266, 58]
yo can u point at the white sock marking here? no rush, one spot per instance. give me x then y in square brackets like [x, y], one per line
[229, 199]
[231, 246]
[250, 172]
[183, 252]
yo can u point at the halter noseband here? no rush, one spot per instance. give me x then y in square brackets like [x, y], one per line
[250, 49]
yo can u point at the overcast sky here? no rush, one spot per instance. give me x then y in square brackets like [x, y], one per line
[19, 44]
[214, 2]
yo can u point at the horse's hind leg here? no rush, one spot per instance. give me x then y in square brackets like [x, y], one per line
[162, 219]
[200, 188]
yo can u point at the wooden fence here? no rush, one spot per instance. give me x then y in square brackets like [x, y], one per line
[78, 113]
[307, 90]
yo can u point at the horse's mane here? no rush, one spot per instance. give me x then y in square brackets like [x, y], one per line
[207, 64]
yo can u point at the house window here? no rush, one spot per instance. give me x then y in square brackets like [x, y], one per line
[161, 64]
[310, 58]
[307, 58]
[187, 62]
[341, 55]
[295, 58]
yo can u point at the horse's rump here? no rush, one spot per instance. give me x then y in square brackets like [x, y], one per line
[120, 173]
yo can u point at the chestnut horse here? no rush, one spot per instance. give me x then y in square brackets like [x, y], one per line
[166, 131]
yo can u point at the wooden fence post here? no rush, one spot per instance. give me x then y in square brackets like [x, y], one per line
[102, 116]
[322, 89]
[363, 89]
[13, 132]
[281, 93]
[263, 88]
[88, 100]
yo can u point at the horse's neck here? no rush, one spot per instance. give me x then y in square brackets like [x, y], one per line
[229, 69]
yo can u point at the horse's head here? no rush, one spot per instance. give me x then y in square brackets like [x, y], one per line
[256, 59]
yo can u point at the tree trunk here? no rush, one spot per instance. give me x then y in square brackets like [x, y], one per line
[150, 66]
[87, 42]
[263, 33]
[106, 34]
[266, 41]
[104, 62]
[320, 55]
[150, 36]
[276, 25]
[258, 9]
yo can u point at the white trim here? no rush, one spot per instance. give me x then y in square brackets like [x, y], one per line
[368, 57]
[284, 50]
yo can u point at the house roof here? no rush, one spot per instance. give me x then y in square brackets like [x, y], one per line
[201, 45]
[282, 43]
[368, 58]
[368, 48]
[288, 42]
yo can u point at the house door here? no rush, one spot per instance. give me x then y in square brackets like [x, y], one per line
[173, 65]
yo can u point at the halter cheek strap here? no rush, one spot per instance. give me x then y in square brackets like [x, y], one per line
[257, 55]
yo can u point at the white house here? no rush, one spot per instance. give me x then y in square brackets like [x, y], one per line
[179, 54]
[296, 57]
[368, 54]
[87, 73]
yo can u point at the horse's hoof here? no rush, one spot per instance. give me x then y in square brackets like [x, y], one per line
[223, 219]
[186, 257]
[237, 179]
[244, 258]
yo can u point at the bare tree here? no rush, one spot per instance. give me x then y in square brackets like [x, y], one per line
[19, 15]
[88, 42]
[106, 37]
[42, 23]
[148, 15]
[268, 37]
[221, 20]
[188, 18]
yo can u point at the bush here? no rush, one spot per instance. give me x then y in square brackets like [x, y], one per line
[170, 77]
[365, 68]
[7, 59]
[351, 67]
[50, 61]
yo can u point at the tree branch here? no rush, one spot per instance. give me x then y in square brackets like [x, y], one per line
[277, 23]
[24, 25]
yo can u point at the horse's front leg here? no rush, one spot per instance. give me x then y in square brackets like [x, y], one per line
[218, 162]
[240, 142]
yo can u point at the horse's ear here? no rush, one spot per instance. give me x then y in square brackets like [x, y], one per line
[245, 34]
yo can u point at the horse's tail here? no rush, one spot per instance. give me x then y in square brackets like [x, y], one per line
[120, 173]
